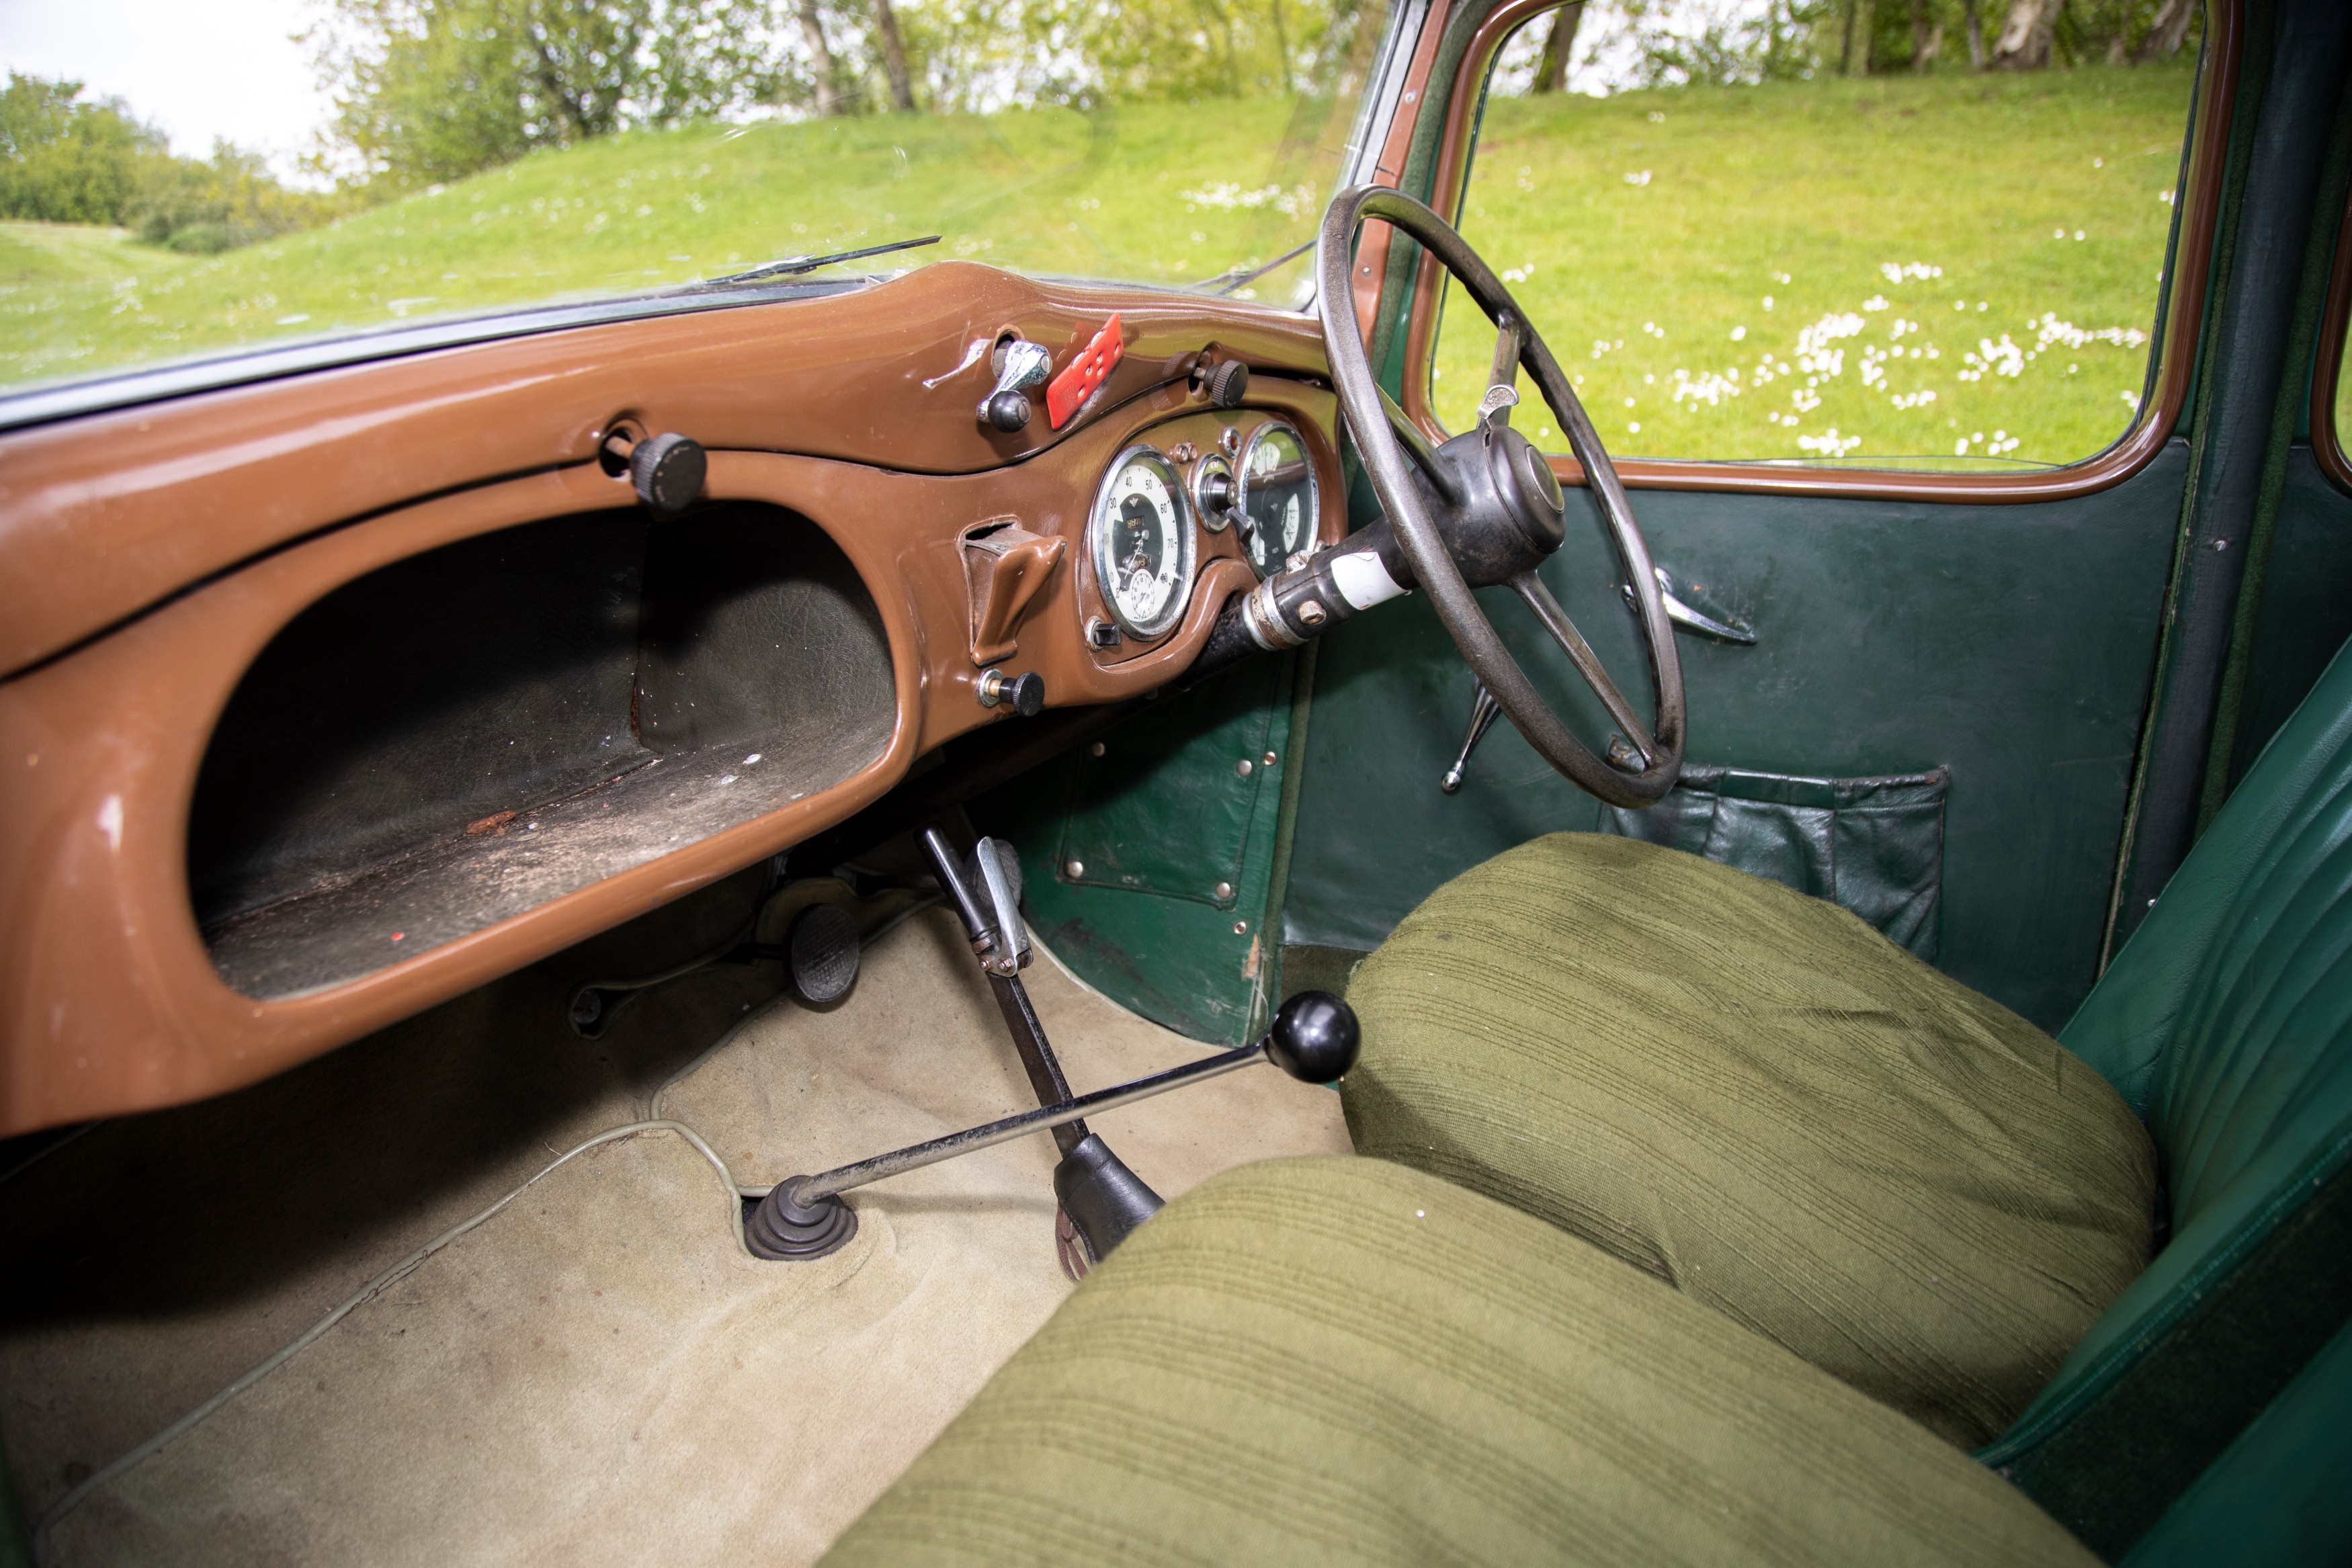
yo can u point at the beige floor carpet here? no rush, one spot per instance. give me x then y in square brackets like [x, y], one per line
[154, 1258]
[599, 1375]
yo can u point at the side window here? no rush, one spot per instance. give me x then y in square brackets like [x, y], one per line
[1818, 243]
[2331, 380]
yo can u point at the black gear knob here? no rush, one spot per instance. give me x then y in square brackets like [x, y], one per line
[1314, 1038]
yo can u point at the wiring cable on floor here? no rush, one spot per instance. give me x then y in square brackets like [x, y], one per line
[654, 1107]
[654, 1122]
[373, 1288]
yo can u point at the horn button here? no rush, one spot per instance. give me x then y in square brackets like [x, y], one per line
[1508, 513]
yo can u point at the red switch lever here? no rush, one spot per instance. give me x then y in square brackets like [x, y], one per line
[1086, 371]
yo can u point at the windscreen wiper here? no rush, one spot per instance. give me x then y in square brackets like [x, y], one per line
[1232, 279]
[793, 266]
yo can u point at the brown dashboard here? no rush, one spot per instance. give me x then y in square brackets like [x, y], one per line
[328, 698]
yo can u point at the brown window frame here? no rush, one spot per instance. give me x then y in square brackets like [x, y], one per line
[2139, 445]
[2327, 381]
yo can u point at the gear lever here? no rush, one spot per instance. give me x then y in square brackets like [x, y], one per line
[1314, 1039]
[1103, 1199]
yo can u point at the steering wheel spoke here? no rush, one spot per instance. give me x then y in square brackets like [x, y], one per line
[1579, 652]
[1493, 495]
[1505, 374]
[1416, 445]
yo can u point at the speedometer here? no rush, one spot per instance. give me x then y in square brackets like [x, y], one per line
[1142, 543]
[1278, 498]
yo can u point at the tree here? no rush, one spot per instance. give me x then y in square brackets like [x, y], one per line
[2167, 32]
[825, 89]
[2025, 40]
[1927, 41]
[1560, 46]
[428, 90]
[894, 56]
[66, 160]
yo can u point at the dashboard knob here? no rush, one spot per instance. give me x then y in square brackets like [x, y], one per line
[668, 472]
[1025, 693]
[1226, 383]
[1008, 411]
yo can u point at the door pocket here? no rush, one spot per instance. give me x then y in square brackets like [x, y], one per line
[1874, 846]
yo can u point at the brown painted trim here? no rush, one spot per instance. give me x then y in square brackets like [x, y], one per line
[105, 517]
[2192, 259]
[1372, 245]
[110, 1001]
[2327, 372]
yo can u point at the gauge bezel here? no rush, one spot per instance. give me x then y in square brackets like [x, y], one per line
[1214, 521]
[1244, 523]
[1099, 543]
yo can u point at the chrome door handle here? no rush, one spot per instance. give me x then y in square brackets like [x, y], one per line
[1688, 605]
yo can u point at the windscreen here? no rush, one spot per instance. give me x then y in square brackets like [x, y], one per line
[467, 157]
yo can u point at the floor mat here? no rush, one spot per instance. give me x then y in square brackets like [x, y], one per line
[154, 1257]
[598, 1374]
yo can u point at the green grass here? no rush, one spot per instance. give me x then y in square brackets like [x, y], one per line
[1801, 193]
[1047, 189]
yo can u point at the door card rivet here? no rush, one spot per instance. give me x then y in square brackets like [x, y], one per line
[1074, 869]
[1243, 768]
[1240, 927]
[1224, 890]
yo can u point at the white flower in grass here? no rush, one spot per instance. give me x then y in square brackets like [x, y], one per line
[1640, 178]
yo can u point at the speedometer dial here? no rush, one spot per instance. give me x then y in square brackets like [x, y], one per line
[1278, 498]
[1142, 543]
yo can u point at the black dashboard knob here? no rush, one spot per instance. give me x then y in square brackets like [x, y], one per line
[667, 471]
[1314, 1038]
[1008, 411]
[1226, 383]
[1025, 693]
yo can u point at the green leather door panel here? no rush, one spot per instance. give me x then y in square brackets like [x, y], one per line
[1147, 866]
[2305, 612]
[2012, 643]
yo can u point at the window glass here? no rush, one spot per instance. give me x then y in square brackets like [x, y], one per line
[2343, 401]
[1913, 264]
[679, 144]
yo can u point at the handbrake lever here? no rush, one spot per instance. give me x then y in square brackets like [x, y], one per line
[1012, 932]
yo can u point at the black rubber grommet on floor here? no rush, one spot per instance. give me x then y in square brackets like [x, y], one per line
[782, 1230]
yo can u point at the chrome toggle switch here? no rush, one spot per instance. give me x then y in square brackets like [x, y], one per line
[1020, 363]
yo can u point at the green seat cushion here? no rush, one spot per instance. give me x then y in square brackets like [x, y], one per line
[1755, 1097]
[1341, 1361]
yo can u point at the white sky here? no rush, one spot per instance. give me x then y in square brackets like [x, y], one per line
[198, 69]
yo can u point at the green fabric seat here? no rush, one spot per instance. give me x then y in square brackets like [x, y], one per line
[1755, 1097]
[1344, 1361]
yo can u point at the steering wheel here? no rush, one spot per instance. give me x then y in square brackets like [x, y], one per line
[1486, 503]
